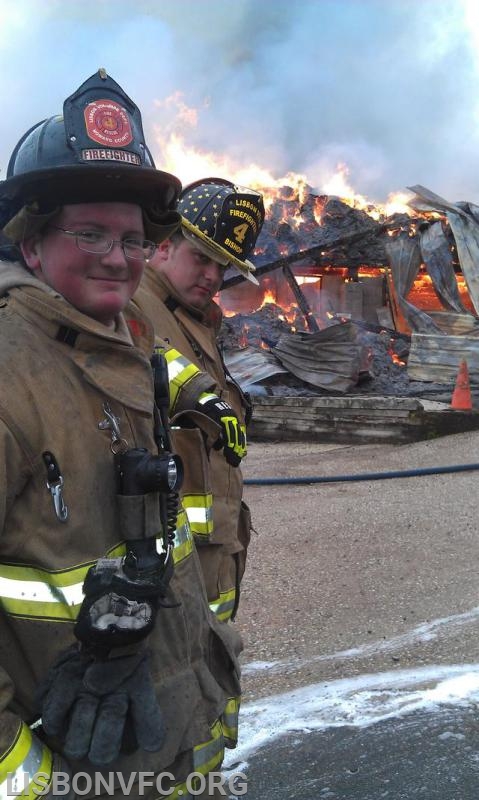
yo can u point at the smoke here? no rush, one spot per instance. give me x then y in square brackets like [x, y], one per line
[389, 89]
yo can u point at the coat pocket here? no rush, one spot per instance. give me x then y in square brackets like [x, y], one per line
[244, 537]
[196, 494]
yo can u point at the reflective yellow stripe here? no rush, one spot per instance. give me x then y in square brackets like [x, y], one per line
[26, 758]
[229, 720]
[207, 757]
[199, 508]
[223, 607]
[57, 595]
[180, 371]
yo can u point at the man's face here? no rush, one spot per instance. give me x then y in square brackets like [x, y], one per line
[195, 276]
[98, 284]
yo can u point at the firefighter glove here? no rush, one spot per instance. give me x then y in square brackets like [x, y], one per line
[233, 433]
[111, 615]
[97, 706]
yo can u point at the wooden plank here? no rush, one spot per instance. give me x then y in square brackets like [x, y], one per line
[364, 402]
[400, 322]
[360, 426]
[353, 299]
[455, 324]
[374, 296]
[385, 317]
[437, 358]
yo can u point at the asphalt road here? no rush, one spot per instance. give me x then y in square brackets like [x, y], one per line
[351, 580]
[420, 757]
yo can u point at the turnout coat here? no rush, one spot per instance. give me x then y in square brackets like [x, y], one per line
[60, 369]
[223, 544]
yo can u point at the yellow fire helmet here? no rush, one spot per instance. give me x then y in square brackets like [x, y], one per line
[223, 220]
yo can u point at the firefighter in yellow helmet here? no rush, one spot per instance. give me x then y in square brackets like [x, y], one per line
[220, 226]
[111, 661]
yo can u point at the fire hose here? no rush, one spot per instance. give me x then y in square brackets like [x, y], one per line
[361, 476]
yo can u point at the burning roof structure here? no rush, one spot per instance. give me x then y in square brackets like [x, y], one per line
[367, 299]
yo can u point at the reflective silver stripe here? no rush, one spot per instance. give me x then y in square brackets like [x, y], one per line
[208, 755]
[178, 364]
[223, 607]
[34, 592]
[205, 397]
[229, 718]
[183, 539]
[28, 757]
[175, 368]
[199, 515]
[199, 508]
[38, 592]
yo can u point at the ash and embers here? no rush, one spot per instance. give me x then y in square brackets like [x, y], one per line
[384, 358]
[317, 235]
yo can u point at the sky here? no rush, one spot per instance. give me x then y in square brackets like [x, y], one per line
[378, 94]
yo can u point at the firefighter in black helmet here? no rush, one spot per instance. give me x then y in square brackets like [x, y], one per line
[95, 149]
[220, 225]
[101, 663]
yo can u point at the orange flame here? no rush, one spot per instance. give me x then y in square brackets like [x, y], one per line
[269, 297]
[190, 163]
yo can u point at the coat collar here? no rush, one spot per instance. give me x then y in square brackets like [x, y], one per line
[211, 317]
[114, 361]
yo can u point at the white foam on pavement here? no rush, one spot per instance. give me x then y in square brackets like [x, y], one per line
[359, 701]
[428, 631]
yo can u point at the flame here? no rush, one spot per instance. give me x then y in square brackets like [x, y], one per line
[192, 163]
[395, 358]
[338, 185]
[269, 297]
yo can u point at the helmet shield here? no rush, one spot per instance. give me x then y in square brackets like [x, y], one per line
[223, 221]
[94, 152]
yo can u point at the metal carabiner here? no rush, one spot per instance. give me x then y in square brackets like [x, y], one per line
[56, 491]
[55, 485]
[112, 422]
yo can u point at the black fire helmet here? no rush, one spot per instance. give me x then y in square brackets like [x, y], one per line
[223, 220]
[94, 152]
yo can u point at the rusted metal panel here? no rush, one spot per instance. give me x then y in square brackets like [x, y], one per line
[249, 365]
[437, 256]
[463, 220]
[405, 259]
[329, 359]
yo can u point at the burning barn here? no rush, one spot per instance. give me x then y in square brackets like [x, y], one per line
[357, 302]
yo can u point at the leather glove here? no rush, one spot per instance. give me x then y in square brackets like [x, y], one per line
[233, 435]
[96, 705]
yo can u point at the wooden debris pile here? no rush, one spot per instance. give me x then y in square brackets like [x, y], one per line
[324, 238]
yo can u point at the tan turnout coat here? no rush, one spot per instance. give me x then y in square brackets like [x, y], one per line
[194, 335]
[52, 392]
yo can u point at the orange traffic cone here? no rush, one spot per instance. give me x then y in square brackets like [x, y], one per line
[461, 396]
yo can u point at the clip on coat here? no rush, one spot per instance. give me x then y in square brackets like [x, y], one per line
[55, 485]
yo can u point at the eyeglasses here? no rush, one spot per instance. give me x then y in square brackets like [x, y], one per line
[99, 243]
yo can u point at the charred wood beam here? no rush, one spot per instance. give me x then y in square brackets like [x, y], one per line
[316, 253]
[370, 326]
[301, 299]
